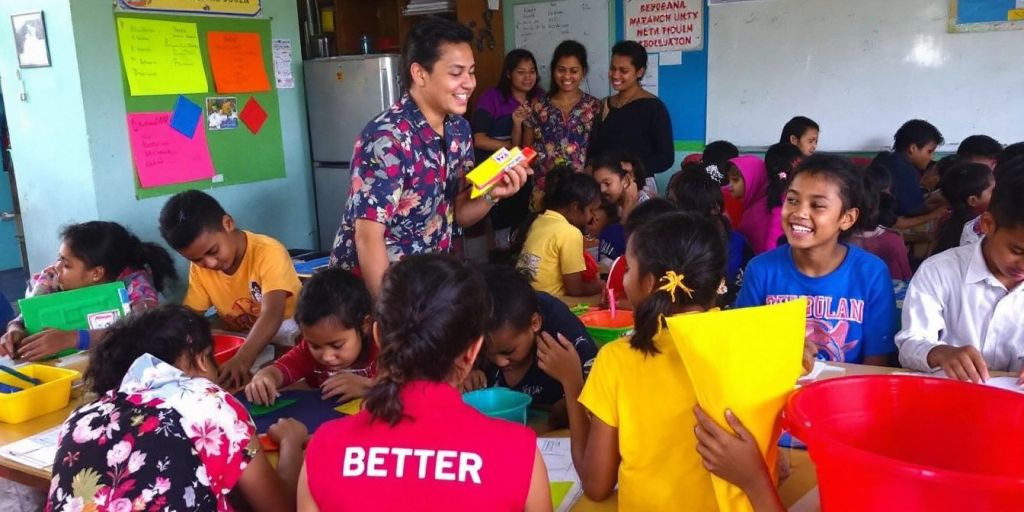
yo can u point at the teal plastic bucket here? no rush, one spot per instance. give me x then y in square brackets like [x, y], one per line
[500, 403]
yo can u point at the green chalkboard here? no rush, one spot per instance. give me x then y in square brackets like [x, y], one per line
[238, 155]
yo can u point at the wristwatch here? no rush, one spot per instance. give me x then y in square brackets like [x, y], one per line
[490, 200]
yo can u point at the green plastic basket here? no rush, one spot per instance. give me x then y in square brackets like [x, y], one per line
[92, 307]
[604, 328]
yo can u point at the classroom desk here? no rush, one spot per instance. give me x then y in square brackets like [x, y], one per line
[593, 300]
[801, 481]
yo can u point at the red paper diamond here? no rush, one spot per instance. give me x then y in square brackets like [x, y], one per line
[253, 115]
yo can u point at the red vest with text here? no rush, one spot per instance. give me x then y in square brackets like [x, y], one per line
[444, 455]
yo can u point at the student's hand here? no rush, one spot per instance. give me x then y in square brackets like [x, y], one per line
[262, 390]
[513, 180]
[288, 431]
[345, 386]
[10, 341]
[234, 373]
[735, 458]
[521, 114]
[474, 381]
[47, 343]
[558, 358]
[810, 355]
[961, 363]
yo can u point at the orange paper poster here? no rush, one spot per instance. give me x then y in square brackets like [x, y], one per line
[237, 62]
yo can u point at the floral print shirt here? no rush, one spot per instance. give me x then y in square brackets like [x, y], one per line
[560, 139]
[163, 441]
[405, 176]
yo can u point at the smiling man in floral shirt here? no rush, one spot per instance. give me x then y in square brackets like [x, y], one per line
[409, 164]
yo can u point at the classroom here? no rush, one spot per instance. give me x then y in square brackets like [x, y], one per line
[541, 255]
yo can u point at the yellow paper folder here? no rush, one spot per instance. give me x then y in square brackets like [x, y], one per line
[746, 360]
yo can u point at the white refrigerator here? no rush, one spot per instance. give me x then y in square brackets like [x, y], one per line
[343, 94]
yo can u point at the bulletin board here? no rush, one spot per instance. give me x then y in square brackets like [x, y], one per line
[541, 26]
[238, 154]
[985, 15]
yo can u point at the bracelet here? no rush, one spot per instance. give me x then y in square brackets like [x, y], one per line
[490, 200]
[83, 339]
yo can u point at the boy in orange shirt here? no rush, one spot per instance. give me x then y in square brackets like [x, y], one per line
[249, 278]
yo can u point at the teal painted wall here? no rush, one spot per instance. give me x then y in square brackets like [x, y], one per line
[93, 162]
[49, 140]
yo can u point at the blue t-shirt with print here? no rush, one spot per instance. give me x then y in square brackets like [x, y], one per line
[556, 319]
[851, 311]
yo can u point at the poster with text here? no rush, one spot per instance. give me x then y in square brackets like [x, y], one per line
[665, 25]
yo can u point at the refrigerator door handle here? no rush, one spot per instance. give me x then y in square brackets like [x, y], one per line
[385, 82]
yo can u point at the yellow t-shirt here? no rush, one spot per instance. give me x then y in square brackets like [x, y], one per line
[650, 401]
[238, 298]
[552, 249]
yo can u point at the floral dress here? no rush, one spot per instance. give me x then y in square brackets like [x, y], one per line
[559, 138]
[405, 176]
[163, 441]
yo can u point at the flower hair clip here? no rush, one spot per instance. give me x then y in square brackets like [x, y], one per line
[675, 282]
[713, 171]
[783, 175]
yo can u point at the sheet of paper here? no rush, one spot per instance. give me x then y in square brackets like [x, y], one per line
[282, 51]
[237, 62]
[185, 117]
[163, 156]
[351, 407]
[1009, 383]
[161, 57]
[650, 81]
[37, 451]
[671, 58]
[263, 410]
[253, 115]
[565, 483]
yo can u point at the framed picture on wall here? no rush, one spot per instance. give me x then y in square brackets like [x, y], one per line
[30, 40]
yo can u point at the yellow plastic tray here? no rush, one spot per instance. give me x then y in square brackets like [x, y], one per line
[53, 394]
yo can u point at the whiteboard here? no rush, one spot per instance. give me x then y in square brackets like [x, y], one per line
[860, 69]
[541, 26]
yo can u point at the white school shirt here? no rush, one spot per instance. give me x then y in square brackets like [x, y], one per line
[954, 299]
[969, 235]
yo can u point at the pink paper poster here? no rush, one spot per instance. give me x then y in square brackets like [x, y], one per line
[164, 156]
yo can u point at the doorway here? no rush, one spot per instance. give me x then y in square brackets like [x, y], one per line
[13, 271]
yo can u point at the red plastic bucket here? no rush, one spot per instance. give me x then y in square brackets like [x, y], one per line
[887, 442]
[605, 328]
[225, 346]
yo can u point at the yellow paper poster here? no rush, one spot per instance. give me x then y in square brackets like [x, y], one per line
[161, 57]
[235, 7]
[746, 360]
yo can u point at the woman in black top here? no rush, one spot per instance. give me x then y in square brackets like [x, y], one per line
[633, 120]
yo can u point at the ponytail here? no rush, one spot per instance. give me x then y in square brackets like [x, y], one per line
[779, 161]
[432, 309]
[111, 246]
[685, 252]
[159, 263]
